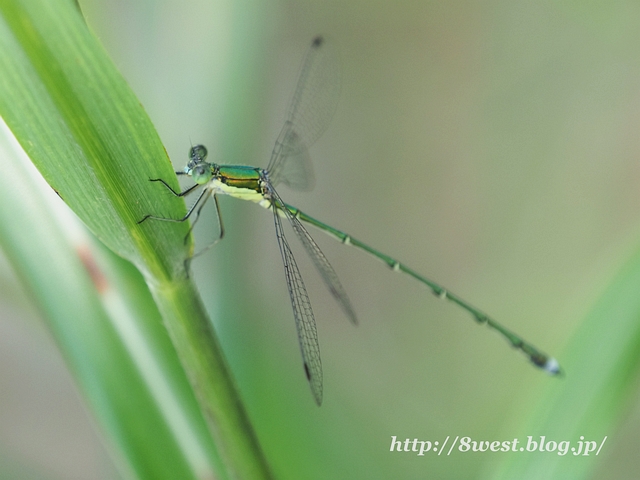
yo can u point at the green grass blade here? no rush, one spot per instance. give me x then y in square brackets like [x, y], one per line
[89, 137]
[85, 131]
[103, 319]
[601, 362]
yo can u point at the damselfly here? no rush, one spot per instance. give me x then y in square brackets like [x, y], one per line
[310, 111]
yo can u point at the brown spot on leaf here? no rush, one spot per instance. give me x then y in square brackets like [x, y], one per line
[89, 262]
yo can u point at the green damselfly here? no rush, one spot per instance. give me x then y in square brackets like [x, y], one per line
[311, 109]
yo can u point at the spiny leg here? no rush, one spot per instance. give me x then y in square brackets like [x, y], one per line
[181, 194]
[177, 194]
[199, 204]
[220, 225]
[197, 216]
[183, 219]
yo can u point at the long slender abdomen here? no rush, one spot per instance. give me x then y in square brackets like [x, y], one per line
[538, 358]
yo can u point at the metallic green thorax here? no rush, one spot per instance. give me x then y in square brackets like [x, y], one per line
[240, 176]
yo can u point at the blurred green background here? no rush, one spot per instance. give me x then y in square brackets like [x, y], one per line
[491, 146]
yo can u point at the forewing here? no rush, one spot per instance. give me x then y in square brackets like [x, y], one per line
[303, 314]
[323, 266]
[311, 109]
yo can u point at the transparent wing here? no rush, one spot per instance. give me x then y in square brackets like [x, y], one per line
[312, 107]
[294, 167]
[303, 314]
[328, 274]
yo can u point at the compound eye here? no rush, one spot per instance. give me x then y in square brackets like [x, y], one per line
[201, 174]
[198, 153]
